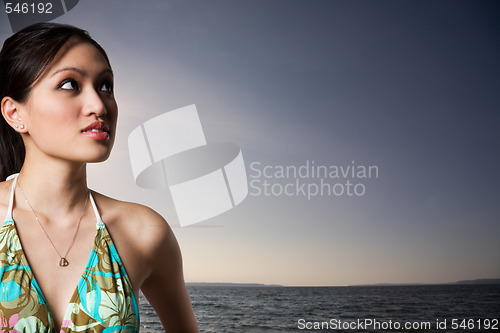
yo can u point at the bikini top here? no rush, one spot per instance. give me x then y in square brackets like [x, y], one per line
[103, 300]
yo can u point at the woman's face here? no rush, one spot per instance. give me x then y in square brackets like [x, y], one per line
[71, 111]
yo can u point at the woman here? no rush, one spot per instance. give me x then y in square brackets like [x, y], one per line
[59, 113]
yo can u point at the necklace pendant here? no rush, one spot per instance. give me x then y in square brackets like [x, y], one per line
[63, 262]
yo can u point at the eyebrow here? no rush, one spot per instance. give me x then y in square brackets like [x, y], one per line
[79, 71]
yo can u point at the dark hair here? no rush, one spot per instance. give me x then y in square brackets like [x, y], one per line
[23, 59]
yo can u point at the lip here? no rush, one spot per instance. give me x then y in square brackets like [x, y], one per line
[98, 130]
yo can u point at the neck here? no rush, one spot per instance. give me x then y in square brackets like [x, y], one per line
[54, 188]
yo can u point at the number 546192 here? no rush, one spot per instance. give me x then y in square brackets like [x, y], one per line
[25, 8]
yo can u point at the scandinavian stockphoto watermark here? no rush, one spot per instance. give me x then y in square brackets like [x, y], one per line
[170, 152]
[310, 179]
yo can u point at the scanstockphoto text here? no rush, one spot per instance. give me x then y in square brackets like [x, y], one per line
[455, 324]
[310, 179]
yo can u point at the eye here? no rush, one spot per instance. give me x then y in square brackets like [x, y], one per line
[107, 87]
[69, 84]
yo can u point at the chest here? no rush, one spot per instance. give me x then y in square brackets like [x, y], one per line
[41, 250]
[34, 281]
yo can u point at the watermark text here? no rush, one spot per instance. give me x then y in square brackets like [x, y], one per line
[310, 180]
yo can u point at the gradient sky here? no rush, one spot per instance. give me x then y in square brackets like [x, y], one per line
[409, 86]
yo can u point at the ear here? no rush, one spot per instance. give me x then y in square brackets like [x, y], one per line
[12, 114]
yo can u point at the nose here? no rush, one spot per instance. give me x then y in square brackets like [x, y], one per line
[93, 104]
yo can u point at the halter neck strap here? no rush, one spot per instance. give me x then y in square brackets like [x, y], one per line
[96, 212]
[11, 201]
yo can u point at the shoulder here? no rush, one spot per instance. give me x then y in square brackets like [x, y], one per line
[5, 188]
[129, 212]
[151, 254]
[143, 227]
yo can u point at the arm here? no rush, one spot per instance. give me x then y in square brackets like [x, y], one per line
[164, 287]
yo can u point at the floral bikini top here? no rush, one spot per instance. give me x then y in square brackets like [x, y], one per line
[103, 300]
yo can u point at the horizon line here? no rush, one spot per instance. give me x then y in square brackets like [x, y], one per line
[481, 281]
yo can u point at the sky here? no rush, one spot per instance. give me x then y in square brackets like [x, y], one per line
[408, 88]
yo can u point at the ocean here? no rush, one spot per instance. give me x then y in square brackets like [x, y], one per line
[427, 308]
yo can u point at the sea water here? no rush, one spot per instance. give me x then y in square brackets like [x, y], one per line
[429, 308]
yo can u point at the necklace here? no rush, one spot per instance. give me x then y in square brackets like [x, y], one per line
[63, 262]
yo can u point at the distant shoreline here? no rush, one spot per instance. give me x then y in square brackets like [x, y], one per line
[462, 282]
[222, 284]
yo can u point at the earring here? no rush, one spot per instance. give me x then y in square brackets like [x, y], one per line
[21, 127]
